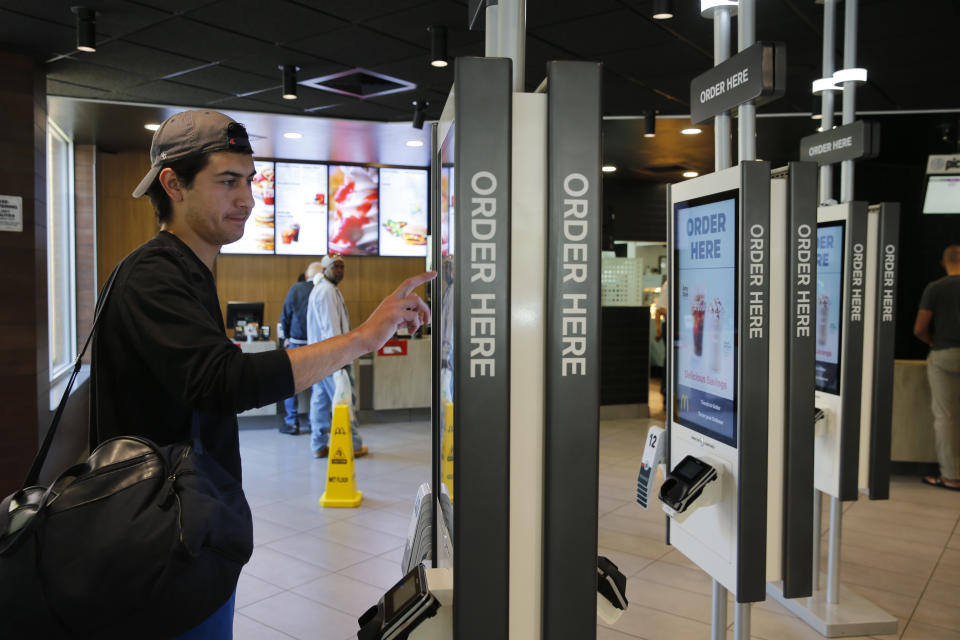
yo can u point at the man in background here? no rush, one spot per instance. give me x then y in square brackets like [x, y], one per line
[293, 321]
[327, 317]
[938, 324]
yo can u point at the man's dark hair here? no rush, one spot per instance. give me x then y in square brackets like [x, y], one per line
[186, 170]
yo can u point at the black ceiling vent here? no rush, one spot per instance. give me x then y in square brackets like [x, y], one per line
[360, 83]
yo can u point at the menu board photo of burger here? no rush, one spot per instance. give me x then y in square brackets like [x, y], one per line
[258, 234]
[403, 212]
[301, 209]
[353, 210]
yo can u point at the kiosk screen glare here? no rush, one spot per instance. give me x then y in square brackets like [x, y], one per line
[829, 305]
[943, 195]
[704, 315]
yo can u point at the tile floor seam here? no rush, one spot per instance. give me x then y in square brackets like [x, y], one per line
[264, 624]
[936, 565]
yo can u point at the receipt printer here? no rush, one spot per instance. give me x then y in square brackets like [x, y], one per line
[400, 610]
[611, 590]
[685, 484]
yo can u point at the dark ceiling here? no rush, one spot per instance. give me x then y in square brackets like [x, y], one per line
[225, 53]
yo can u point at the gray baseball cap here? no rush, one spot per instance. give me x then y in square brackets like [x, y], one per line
[191, 133]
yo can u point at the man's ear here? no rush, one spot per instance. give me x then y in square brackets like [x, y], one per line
[171, 184]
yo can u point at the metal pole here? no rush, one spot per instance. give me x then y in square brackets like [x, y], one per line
[721, 123]
[741, 620]
[490, 34]
[747, 124]
[826, 123]
[817, 510]
[718, 619]
[849, 92]
[833, 559]
[512, 19]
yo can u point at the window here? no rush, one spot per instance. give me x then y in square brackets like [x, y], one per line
[61, 270]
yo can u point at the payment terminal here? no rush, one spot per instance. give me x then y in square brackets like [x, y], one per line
[401, 610]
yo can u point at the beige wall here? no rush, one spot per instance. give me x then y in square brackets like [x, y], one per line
[124, 223]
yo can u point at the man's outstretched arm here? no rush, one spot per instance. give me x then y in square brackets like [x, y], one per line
[402, 308]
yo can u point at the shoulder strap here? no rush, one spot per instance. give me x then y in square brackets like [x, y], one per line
[41, 456]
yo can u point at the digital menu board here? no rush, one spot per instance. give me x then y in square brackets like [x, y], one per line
[705, 315]
[829, 305]
[301, 208]
[353, 210]
[403, 212]
[258, 233]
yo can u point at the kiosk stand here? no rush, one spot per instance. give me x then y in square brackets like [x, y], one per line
[856, 278]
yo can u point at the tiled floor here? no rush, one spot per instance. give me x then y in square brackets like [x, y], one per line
[315, 570]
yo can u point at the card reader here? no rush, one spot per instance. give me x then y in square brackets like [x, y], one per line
[685, 484]
[400, 610]
[611, 590]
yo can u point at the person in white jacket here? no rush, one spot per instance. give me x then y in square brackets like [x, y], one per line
[327, 317]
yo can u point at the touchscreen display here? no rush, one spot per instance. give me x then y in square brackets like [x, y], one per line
[403, 212]
[301, 203]
[400, 596]
[705, 315]
[354, 210]
[258, 232]
[943, 195]
[829, 305]
[445, 330]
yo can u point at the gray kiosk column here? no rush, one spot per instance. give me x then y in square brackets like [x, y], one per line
[481, 360]
[572, 351]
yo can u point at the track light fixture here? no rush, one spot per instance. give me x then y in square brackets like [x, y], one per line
[650, 123]
[86, 29]
[290, 81]
[419, 113]
[438, 45]
[816, 112]
[662, 9]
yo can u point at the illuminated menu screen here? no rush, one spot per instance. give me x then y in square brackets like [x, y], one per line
[829, 305]
[301, 206]
[705, 315]
[403, 212]
[258, 234]
[353, 210]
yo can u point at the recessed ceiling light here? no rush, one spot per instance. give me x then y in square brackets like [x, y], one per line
[608, 168]
[690, 174]
[649, 135]
[414, 143]
[691, 131]
[152, 126]
[292, 135]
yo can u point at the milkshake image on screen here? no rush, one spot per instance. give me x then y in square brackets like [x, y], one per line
[353, 227]
[823, 318]
[715, 319]
[698, 308]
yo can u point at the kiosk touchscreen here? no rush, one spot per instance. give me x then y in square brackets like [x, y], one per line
[839, 322]
[715, 491]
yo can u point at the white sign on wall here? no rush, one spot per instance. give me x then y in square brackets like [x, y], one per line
[11, 213]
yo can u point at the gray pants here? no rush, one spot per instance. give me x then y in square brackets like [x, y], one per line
[943, 372]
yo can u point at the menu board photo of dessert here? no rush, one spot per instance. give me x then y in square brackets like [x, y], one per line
[705, 317]
[403, 212]
[258, 234]
[301, 204]
[353, 210]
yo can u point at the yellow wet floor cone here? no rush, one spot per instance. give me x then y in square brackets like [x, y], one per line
[341, 476]
[446, 449]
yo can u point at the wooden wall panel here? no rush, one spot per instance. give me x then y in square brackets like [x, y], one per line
[124, 223]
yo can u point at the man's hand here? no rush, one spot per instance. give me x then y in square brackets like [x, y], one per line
[402, 308]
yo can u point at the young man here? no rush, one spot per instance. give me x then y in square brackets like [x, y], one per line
[938, 324]
[163, 367]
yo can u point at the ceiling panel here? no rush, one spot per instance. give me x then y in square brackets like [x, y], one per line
[171, 92]
[229, 81]
[355, 46]
[192, 39]
[134, 58]
[93, 75]
[277, 21]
